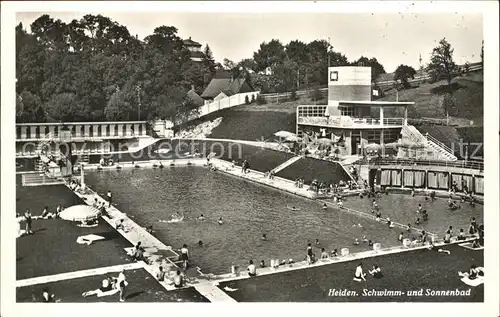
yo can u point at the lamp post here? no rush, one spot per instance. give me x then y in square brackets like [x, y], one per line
[138, 90]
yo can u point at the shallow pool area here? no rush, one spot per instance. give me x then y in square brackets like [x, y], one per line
[402, 208]
[249, 210]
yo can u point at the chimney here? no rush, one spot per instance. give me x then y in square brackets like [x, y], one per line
[190, 37]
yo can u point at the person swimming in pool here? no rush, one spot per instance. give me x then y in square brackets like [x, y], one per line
[375, 205]
[417, 221]
[452, 205]
[378, 216]
[317, 242]
[356, 241]
[220, 222]
[364, 239]
[425, 215]
[201, 217]
[264, 237]
[419, 208]
[325, 206]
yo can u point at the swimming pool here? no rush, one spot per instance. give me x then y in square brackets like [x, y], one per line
[248, 210]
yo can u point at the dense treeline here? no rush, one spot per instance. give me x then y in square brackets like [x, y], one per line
[93, 69]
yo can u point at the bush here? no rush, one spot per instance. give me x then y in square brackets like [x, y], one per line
[316, 94]
[253, 98]
[261, 100]
[247, 100]
[293, 95]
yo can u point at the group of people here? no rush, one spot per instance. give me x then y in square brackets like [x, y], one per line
[28, 218]
[103, 162]
[360, 276]
[299, 183]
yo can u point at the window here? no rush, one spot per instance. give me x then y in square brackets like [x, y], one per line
[334, 76]
[312, 111]
[373, 136]
[391, 135]
[347, 111]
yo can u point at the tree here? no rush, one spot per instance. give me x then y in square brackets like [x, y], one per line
[377, 68]
[247, 100]
[118, 107]
[29, 108]
[64, 107]
[441, 63]
[403, 73]
[228, 64]
[268, 55]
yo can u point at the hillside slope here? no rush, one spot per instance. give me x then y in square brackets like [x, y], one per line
[428, 97]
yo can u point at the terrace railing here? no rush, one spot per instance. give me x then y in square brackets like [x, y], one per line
[476, 165]
[350, 121]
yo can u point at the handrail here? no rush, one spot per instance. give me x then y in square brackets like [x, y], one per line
[439, 143]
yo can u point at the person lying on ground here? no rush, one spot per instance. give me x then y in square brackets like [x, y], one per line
[108, 287]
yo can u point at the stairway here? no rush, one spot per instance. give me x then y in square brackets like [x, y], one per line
[285, 164]
[443, 151]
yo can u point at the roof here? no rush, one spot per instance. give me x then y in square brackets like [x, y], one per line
[190, 42]
[197, 100]
[377, 103]
[226, 85]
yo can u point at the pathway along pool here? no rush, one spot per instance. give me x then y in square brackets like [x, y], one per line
[247, 209]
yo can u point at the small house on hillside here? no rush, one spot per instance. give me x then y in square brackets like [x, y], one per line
[193, 96]
[194, 49]
[220, 88]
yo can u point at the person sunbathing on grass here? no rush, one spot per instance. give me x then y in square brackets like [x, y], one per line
[376, 272]
[358, 274]
[108, 287]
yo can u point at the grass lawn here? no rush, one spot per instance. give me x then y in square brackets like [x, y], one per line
[428, 98]
[142, 288]
[52, 249]
[252, 122]
[414, 270]
[260, 159]
[309, 169]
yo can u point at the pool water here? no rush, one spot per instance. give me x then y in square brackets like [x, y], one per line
[402, 208]
[248, 211]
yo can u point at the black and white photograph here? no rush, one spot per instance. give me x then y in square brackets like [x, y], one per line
[260, 154]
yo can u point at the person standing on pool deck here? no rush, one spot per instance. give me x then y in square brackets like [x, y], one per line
[309, 253]
[110, 198]
[252, 271]
[358, 274]
[27, 216]
[184, 256]
[122, 283]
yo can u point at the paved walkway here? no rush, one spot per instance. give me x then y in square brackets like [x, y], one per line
[259, 177]
[78, 274]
